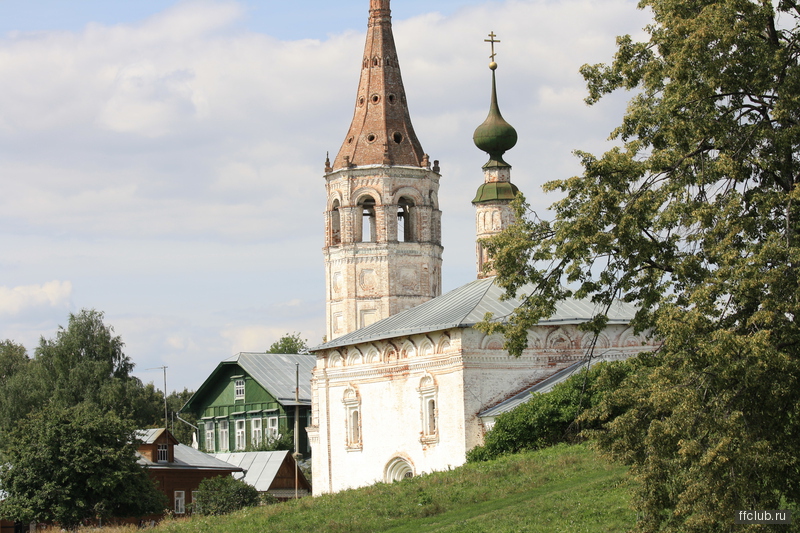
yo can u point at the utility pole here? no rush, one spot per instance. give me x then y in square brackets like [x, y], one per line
[296, 424]
[166, 412]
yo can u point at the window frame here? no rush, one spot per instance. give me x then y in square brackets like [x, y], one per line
[238, 388]
[224, 436]
[256, 431]
[179, 498]
[209, 427]
[241, 434]
[162, 451]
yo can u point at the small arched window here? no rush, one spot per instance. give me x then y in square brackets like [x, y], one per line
[336, 224]
[366, 207]
[405, 220]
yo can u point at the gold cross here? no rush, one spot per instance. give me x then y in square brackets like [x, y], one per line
[492, 40]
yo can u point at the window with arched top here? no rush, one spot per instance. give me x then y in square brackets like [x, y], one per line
[366, 227]
[352, 406]
[405, 220]
[398, 469]
[429, 412]
[336, 224]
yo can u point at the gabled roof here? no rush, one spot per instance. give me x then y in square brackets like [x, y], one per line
[260, 468]
[275, 372]
[188, 458]
[149, 436]
[466, 306]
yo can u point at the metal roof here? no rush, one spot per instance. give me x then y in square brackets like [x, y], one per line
[466, 306]
[187, 457]
[260, 468]
[276, 373]
[542, 386]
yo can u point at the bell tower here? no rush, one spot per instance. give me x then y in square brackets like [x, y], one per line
[383, 251]
[492, 200]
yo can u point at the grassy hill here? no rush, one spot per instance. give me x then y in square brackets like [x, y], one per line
[565, 488]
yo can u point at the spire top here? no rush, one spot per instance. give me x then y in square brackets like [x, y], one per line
[495, 136]
[492, 40]
[381, 129]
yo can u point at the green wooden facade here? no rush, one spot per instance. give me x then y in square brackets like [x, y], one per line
[237, 411]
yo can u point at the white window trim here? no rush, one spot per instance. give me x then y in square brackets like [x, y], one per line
[209, 436]
[241, 434]
[224, 435]
[256, 432]
[272, 428]
[429, 397]
[180, 502]
[238, 389]
[162, 450]
[354, 437]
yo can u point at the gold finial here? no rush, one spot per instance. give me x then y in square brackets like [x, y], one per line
[492, 40]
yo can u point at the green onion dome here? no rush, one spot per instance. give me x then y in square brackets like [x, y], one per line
[495, 136]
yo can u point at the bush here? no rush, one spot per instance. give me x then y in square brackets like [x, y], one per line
[550, 418]
[223, 495]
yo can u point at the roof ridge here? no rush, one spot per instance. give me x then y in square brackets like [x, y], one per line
[479, 300]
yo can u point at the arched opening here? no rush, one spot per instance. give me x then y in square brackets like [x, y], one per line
[405, 220]
[336, 224]
[398, 469]
[366, 207]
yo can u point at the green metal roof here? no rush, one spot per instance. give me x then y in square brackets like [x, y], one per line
[495, 190]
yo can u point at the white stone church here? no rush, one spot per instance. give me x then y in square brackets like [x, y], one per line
[404, 384]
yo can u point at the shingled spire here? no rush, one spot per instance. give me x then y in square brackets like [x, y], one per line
[381, 132]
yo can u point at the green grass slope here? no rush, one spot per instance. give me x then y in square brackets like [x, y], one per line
[565, 488]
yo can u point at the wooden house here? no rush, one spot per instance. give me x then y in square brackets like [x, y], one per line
[178, 469]
[250, 399]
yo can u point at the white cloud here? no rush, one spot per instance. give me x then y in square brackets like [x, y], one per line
[28, 298]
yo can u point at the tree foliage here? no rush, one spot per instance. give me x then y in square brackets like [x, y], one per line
[549, 418]
[67, 465]
[224, 494]
[694, 217]
[290, 343]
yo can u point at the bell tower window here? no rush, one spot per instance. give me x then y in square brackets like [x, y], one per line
[336, 224]
[366, 207]
[405, 220]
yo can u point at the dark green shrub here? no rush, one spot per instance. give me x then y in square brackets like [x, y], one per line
[550, 418]
[223, 495]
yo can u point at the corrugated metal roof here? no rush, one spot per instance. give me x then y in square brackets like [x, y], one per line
[466, 306]
[187, 457]
[260, 468]
[276, 373]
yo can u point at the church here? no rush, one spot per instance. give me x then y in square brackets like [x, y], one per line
[403, 382]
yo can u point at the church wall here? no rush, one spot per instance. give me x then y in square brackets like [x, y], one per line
[391, 396]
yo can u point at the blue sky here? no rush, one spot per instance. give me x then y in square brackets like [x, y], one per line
[162, 162]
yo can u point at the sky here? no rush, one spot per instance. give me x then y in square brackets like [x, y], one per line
[162, 161]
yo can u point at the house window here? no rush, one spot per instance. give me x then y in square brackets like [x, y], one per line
[241, 441]
[180, 502]
[238, 389]
[163, 453]
[209, 436]
[352, 406]
[272, 427]
[429, 412]
[224, 439]
[255, 432]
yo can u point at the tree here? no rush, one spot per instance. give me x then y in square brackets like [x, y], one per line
[224, 494]
[291, 343]
[67, 465]
[695, 219]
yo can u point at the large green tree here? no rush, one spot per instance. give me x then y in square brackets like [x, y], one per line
[694, 217]
[67, 465]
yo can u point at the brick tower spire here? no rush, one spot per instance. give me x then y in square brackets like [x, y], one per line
[383, 251]
[381, 131]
